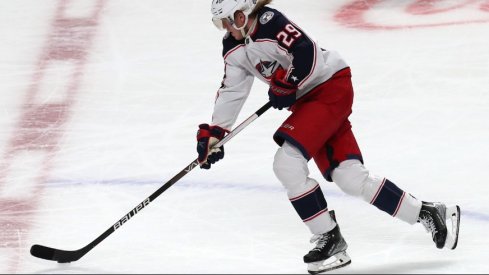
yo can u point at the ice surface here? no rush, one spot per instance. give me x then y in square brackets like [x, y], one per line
[100, 102]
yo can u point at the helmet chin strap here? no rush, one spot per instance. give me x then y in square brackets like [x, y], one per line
[242, 29]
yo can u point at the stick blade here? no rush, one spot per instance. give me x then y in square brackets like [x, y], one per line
[43, 252]
[52, 254]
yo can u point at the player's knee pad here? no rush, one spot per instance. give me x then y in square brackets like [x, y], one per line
[290, 167]
[351, 177]
[354, 179]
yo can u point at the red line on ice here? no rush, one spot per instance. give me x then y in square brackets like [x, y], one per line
[41, 125]
[354, 13]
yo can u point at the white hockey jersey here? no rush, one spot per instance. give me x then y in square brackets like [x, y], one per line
[273, 42]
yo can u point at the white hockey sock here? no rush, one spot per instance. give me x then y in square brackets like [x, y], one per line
[305, 194]
[354, 179]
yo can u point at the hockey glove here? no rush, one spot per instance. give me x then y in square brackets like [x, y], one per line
[281, 93]
[207, 136]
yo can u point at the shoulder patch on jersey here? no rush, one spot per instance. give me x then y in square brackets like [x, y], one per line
[267, 16]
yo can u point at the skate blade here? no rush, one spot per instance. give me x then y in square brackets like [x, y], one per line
[340, 259]
[453, 214]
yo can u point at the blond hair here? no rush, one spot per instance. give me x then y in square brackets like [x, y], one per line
[259, 5]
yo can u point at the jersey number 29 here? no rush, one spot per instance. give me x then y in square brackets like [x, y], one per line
[288, 35]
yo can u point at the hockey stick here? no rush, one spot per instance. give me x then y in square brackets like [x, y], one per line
[66, 256]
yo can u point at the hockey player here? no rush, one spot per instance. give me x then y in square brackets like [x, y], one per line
[314, 84]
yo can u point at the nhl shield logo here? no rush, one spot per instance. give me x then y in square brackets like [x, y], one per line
[267, 16]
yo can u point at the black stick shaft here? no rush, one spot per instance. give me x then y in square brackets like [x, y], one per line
[64, 256]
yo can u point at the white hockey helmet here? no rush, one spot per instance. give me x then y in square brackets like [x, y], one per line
[225, 9]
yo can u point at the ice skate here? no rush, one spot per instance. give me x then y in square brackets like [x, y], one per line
[329, 253]
[434, 216]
